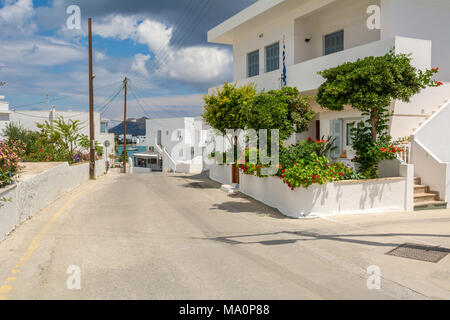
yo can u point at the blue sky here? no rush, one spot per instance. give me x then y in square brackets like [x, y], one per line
[160, 45]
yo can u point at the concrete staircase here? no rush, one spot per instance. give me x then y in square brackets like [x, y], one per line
[424, 199]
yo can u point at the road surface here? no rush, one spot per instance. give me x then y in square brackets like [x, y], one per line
[179, 237]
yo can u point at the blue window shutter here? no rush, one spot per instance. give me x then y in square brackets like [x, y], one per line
[334, 42]
[336, 133]
[273, 57]
[253, 64]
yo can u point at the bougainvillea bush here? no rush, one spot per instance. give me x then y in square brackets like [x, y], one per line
[10, 153]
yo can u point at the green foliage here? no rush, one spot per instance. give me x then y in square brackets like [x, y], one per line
[14, 132]
[243, 108]
[299, 110]
[369, 153]
[282, 109]
[304, 149]
[370, 84]
[225, 108]
[313, 170]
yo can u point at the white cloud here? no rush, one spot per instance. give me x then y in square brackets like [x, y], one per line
[16, 15]
[138, 64]
[16, 12]
[116, 26]
[39, 51]
[154, 34]
[195, 64]
[198, 64]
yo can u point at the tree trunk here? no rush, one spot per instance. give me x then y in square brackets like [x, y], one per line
[374, 118]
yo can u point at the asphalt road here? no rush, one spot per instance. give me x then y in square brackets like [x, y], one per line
[180, 237]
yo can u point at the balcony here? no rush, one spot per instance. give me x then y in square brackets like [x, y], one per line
[304, 75]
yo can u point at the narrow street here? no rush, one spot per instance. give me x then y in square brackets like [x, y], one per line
[179, 237]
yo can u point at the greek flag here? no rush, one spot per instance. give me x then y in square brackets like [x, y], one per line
[283, 77]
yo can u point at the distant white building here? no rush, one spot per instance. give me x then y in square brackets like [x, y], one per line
[30, 120]
[179, 142]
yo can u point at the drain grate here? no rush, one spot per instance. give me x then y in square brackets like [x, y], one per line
[420, 252]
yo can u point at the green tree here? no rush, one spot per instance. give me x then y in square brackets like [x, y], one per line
[69, 132]
[370, 84]
[284, 109]
[225, 108]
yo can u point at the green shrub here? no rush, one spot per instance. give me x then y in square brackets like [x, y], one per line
[311, 170]
[304, 149]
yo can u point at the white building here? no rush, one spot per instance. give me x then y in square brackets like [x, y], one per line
[180, 142]
[30, 120]
[320, 34]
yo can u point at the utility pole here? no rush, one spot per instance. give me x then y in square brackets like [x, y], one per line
[125, 84]
[46, 99]
[91, 106]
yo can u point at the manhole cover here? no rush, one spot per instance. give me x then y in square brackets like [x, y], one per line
[420, 252]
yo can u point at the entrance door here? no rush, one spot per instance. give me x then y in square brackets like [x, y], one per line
[235, 174]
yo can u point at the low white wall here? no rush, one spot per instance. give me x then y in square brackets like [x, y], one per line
[221, 174]
[34, 193]
[344, 197]
[138, 170]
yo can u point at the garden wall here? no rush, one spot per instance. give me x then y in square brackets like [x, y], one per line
[34, 192]
[221, 173]
[344, 197]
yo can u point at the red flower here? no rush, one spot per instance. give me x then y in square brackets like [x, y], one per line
[41, 150]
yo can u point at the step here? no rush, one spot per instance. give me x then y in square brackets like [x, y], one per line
[421, 189]
[417, 180]
[430, 205]
[425, 197]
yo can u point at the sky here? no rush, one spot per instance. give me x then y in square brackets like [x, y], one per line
[161, 46]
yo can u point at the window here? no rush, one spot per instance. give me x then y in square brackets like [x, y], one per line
[104, 127]
[349, 127]
[334, 42]
[273, 57]
[253, 64]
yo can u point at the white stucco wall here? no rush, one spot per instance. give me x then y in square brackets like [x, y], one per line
[347, 15]
[345, 197]
[34, 193]
[422, 19]
[221, 173]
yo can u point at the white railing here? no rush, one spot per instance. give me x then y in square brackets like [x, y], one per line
[405, 153]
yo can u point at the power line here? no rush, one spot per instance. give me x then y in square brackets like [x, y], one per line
[60, 98]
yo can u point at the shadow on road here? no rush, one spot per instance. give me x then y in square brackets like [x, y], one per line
[312, 236]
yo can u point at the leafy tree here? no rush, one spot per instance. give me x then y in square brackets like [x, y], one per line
[370, 84]
[224, 109]
[284, 109]
[69, 132]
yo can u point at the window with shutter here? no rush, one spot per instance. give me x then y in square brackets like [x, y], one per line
[334, 42]
[253, 64]
[273, 57]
